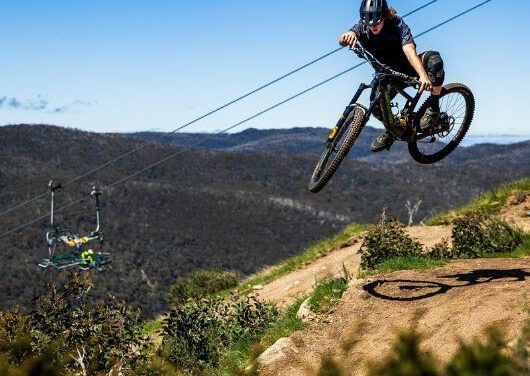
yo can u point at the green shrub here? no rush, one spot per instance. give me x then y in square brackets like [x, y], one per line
[441, 250]
[406, 358]
[488, 358]
[106, 335]
[385, 241]
[326, 293]
[476, 233]
[196, 334]
[200, 284]
[14, 336]
[492, 357]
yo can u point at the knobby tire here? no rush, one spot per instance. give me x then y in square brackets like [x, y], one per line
[423, 158]
[325, 168]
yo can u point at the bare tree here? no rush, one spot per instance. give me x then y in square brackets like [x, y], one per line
[81, 361]
[412, 210]
[382, 221]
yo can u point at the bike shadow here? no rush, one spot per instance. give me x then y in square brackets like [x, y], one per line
[411, 290]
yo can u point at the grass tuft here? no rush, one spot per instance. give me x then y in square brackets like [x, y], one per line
[151, 327]
[327, 293]
[311, 254]
[488, 203]
[410, 263]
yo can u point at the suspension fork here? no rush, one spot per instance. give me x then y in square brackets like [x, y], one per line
[347, 110]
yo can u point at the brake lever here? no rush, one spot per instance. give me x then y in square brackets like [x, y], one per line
[358, 52]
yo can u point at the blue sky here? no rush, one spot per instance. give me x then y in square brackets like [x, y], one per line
[138, 65]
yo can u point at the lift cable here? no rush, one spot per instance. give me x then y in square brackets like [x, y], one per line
[213, 136]
[164, 135]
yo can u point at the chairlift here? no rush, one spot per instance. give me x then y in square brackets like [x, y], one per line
[83, 256]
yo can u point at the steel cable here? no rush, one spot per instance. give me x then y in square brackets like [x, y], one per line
[138, 172]
[163, 136]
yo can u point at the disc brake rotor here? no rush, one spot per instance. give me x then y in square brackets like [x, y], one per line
[443, 126]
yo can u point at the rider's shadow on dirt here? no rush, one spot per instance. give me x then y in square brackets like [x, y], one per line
[410, 290]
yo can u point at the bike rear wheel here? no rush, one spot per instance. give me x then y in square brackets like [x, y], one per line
[337, 149]
[457, 107]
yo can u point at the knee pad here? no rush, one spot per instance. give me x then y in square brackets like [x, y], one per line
[434, 65]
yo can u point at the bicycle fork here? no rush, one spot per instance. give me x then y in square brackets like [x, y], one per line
[349, 108]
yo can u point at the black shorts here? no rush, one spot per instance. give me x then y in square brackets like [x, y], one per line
[434, 66]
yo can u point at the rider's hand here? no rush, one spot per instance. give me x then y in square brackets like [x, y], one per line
[425, 84]
[348, 39]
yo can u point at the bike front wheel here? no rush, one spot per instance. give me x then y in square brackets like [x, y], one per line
[457, 107]
[337, 149]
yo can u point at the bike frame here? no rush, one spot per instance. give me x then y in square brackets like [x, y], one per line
[406, 127]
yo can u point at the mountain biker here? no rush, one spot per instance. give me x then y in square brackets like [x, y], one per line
[389, 39]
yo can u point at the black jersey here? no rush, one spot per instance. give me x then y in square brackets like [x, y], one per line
[387, 46]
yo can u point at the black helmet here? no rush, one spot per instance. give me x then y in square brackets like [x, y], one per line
[373, 12]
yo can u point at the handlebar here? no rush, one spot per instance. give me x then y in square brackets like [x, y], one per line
[382, 69]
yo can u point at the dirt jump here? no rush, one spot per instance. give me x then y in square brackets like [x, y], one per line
[453, 303]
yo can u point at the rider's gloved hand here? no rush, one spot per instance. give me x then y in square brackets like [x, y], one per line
[348, 39]
[425, 84]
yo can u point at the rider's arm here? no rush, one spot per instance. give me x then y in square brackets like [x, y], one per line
[414, 60]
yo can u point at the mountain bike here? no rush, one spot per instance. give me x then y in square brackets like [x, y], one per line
[426, 146]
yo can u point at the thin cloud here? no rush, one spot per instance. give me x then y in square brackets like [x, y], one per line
[42, 105]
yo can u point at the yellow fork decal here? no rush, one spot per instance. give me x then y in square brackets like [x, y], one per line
[333, 133]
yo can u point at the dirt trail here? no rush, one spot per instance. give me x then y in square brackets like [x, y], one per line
[453, 302]
[286, 289]
[457, 301]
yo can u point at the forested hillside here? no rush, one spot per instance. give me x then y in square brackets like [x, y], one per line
[203, 208]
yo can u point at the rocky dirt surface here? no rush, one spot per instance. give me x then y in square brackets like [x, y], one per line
[286, 289]
[448, 304]
[517, 211]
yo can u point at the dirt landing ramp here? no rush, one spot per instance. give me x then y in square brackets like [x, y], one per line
[455, 302]
[286, 289]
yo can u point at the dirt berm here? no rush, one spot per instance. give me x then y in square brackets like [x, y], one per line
[448, 304]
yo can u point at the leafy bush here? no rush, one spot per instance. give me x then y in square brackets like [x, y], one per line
[384, 241]
[195, 334]
[200, 284]
[441, 250]
[476, 233]
[101, 337]
[490, 357]
[14, 334]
